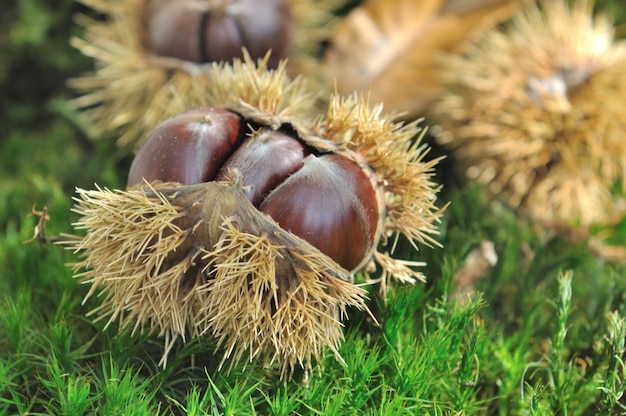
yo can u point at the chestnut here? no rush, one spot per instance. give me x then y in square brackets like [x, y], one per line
[330, 203]
[156, 58]
[189, 148]
[201, 31]
[264, 160]
[324, 198]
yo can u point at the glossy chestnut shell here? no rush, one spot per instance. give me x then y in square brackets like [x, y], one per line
[315, 192]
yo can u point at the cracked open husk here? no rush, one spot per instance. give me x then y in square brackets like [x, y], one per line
[200, 260]
[536, 112]
[128, 93]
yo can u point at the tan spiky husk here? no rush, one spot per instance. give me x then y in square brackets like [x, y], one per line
[284, 321]
[129, 237]
[130, 91]
[536, 111]
[200, 260]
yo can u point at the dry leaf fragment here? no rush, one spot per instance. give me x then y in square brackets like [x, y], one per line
[477, 262]
[39, 232]
[389, 47]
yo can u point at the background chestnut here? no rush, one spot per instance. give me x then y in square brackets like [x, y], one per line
[201, 31]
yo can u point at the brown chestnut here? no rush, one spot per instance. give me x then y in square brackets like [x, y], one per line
[330, 203]
[251, 160]
[174, 29]
[189, 148]
[320, 196]
[198, 31]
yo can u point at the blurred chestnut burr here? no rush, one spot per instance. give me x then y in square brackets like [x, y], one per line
[144, 50]
[246, 224]
[536, 111]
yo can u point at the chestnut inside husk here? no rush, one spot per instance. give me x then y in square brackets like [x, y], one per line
[246, 223]
[322, 195]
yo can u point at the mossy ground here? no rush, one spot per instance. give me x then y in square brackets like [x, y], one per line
[544, 334]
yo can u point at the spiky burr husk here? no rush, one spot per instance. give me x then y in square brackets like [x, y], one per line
[536, 111]
[130, 90]
[200, 260]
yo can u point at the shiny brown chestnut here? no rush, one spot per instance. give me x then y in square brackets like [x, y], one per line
[330, 203]
[204, 31]
[319, 195]
[189, 148]
[251, 160]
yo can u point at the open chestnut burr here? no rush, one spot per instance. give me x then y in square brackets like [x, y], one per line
[247, 224]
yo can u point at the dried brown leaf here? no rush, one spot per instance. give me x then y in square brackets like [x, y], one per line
[476, 265]
[389, 47]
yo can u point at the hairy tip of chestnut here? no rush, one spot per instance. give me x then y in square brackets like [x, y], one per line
[331, 203]
[195, 31]
[264, 160]
[188, 148]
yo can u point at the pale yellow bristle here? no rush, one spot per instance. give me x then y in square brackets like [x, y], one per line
[128, 237]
